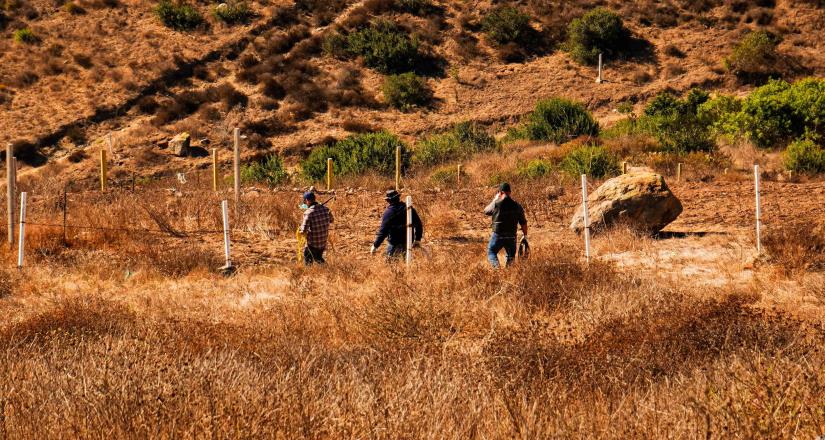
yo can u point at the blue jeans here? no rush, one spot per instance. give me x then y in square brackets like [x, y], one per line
[498, 243]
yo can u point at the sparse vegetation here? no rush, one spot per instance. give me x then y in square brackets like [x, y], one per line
[385, 47]
[465, 140]
[178, 16]
[406, 91]
[25, 36]
[232, 12]
[507, 25]
[598, 31]
[755, 57]
[593, 160]
[557, 120]
[269, 171]
[355, 155]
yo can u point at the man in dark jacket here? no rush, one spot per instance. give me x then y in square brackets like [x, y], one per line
[507, 216]
[394, 227]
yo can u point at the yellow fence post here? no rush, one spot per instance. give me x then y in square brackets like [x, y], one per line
[329, 173]
[679, 172]
[103, 170]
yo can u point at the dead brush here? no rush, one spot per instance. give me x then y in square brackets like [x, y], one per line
[796, 248]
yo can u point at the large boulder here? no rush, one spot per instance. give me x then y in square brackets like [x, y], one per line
[180, 144]
[640, 200]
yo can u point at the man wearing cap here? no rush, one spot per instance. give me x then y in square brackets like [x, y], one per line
[507, 216]
[315, 227]
[394, 227]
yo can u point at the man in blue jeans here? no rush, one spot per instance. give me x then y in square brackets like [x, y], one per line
[507, 216]
[394, 227]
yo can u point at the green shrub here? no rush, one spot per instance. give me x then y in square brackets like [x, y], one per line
[595, 161]
[180, 17]
[675, 122]
[357, 154]
[598, 31]
[717, 113]
[385, 47]
[557, 120]
[534, 169]
[754, 57]
[416, 7]
[232, 12]
[805, 156]
[270, 171]
[335, 45]
[507, 25]
[406, 91]
[462, 142]
[25, 36]
[73, 8]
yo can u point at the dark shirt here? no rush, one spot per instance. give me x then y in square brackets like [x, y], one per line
[394, 226]
[507, 216]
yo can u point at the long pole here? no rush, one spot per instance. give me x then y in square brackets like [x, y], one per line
[22, 243]
[236, 164]
[103, 170]
[226, 244]
[599, 79]
[65, 215]
[586, 219]
[758, 210]
[10, 192]
[409, 231]
[329, 174]
[679, 172]
[397, 168]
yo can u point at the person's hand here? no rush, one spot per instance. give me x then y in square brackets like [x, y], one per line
[372, 250]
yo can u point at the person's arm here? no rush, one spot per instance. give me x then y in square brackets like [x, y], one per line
[418, 227]
[522, 220]
[491, 208]
[305, 222]
[383, 230]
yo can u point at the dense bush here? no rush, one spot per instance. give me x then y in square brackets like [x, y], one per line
[357, 154]
[805, 156]
[595, 161]
[269, 171]
[180, 17]
[232, 12]
[675, 123]
[557, 120]
[506, 25]
[462, 142]
[406, 91]
[754, 57]
[598, 31]
[534, 169]
[385, 47]
[779, 112]
[26, 36]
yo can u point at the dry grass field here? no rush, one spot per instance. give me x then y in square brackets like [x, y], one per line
[135, 334]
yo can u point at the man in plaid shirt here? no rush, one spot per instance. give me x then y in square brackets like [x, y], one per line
[315, 227]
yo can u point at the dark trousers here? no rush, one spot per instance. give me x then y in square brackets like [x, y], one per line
[497, 243]
[396, 251]
[313, 255]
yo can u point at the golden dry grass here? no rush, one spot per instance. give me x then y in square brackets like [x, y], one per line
[131, 335]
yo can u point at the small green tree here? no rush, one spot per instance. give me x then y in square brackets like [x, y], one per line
[406, 91]
[506, 24]
[463, 141]
[755, 57]
[357, 154]
[270, 171]
[25, 36]
[598, 31]
[232, 12]
[595, 161]
[385, 47]
[558, 120]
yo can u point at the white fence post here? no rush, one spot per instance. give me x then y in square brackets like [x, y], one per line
[226, 245]
[586, 218]
[21, 245]
[758, 210]
[599, 80]
[409, 230]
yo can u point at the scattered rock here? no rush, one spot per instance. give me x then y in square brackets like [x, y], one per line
[180, 144]
[641, 200]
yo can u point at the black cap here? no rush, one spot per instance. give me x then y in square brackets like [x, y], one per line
[504, 187]
[392, 195]
[309, 196]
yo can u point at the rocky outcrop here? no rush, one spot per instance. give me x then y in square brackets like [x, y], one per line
[639, 200]
[180, 144]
